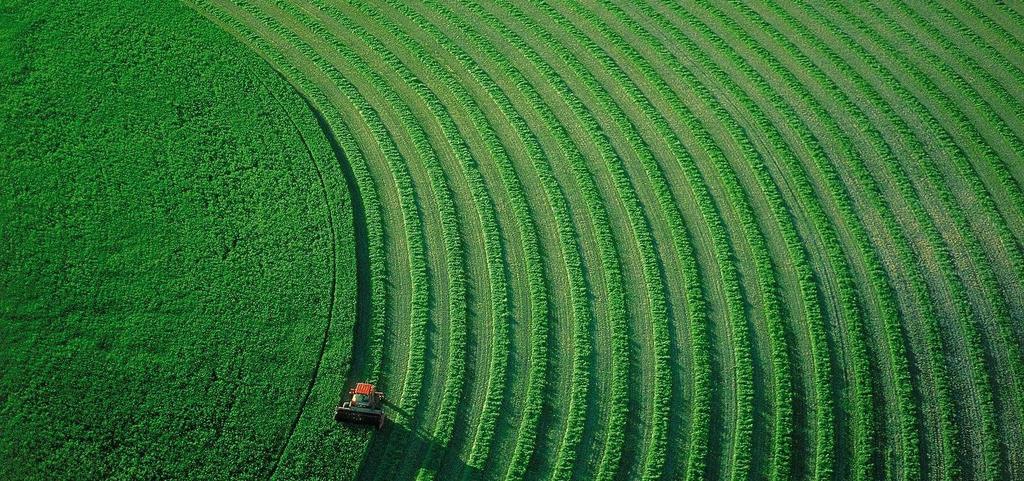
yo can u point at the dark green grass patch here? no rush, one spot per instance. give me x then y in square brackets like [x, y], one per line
[167, 259]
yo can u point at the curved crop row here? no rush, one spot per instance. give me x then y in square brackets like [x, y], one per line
[991, 290]
[566, 234]
[993, 56]
[488, 217]
[793, 243]
[609, 258]
[949, 145]
[612, 270]
[641, 231]
[442, 433]
[863, 412]
[662, 385]
[871, 258]
[976, 72]
[899, 176]
[961, 304]
[445, 205]
[656, 453]
[738, 198]
[897, 356]
[807, 193]
[1011, 15]
[556, 201]
[876, 272]
[966, 127]
[364, 177]
[403, 179]
[993, 294]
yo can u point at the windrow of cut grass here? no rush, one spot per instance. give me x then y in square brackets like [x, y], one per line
[368, 198]
[813, 195]
[906, 193]
[993, 300]
[975, 137]
[960, 299]
[535, 153]
[415, 238]
[443, 429]
[984, 90]
[910, 461]
[1007, 20]
[897, 351]
[655, 457]
[573, 262]
[738, 197]
[781, 216]
[994, 296]
[796, 223]
[618, 340]
[873, 268]
[566, 235]
[824, 435]
[522, 217]
[987, 60]
[969, 324]
[662, 377]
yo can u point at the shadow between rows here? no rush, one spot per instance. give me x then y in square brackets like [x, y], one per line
[394, 432]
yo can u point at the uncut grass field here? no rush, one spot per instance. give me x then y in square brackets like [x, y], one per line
[570, 240]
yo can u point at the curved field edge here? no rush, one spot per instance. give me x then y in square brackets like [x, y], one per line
[215, 233]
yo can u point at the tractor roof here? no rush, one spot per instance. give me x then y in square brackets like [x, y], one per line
[363, 388]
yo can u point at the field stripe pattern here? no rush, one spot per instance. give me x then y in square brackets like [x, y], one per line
[659, 240]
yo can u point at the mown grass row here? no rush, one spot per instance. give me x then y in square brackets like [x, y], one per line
[781, 216]
[566, 233]
[982, 42]
[608, 254]
[457, 361]
[991, 290]
[361, 171]
[1004, 322]
[992, 295]
[641, 231]
[950, 49]
[964, 124]
[737, 197]
[954, 149]
[807, 195]
[1010, 15]
[782, 404]
[443, 430]
[886, 154]
[961, 304]
[875, 270]
[419, 308]
[612, 270]
[656, 452]
[850, 310]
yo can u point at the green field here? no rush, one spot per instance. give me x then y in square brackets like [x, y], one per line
[595, 240]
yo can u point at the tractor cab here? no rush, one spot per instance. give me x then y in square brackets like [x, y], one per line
[365, 406]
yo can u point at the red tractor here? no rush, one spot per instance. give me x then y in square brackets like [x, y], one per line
[366, 406]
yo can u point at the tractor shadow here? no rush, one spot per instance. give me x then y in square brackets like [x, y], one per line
[395, 451]
[398, 446]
